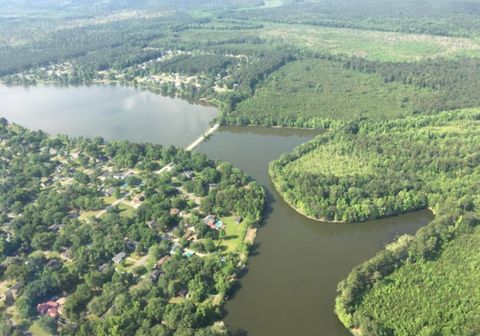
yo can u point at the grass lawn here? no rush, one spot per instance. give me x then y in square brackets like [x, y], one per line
[109, 200]
[235, 234]
[87, 214]
[177, 299]
[37, 331]
[126, 210]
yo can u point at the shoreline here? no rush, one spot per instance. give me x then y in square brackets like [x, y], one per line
[323, 220]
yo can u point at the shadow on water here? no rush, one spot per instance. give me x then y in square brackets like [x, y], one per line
[269, 206]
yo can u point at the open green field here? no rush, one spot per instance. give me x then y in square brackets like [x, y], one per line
[373, 45]
[316, 88]
[234, 234]
[439, 297]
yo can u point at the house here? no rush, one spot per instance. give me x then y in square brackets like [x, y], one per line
[54, 264]
[238, 219]
[103, 267]
[189, 174]
[189, 235]
[119, 257]
[73, 214]
[131, 245]
[162, 261]
[75, 154]
[49, 308]
[152, 224]
[155, 275]
[175, 249]
[138, 199]
[109, 191]
[182, 293]
[212, 222]
[56, 227]
[209, 220]
[118, 176]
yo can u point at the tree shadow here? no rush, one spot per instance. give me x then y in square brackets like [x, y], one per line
[269, 201]
[254, 249]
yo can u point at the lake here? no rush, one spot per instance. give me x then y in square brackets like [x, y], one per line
[296, 263]
[113, 112]
[290, 287]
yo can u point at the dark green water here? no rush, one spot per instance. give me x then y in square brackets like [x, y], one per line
[291, 284]
[297, 263]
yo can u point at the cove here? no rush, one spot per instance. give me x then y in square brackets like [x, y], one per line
[290, 287]
[296, 262]
[113, 112]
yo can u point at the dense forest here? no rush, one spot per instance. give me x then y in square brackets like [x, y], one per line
[95, 239]
[372, 170]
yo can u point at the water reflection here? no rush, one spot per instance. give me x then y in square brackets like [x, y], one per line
[112, 112]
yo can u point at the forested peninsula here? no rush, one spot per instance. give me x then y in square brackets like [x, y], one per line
[373, 170]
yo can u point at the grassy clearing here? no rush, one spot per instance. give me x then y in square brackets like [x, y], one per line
[126, 210]
[324, 89]
[235, 234]
[413, 292]
[373, 45]
[88, 214]
[175, 300]
[109, 200]
[36, 330]
[331, 159]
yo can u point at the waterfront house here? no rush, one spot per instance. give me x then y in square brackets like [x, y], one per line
[119, 257]
[209, 220]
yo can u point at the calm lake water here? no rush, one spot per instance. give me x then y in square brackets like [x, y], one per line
[290, 287]
[113, 112]
[291, 284]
